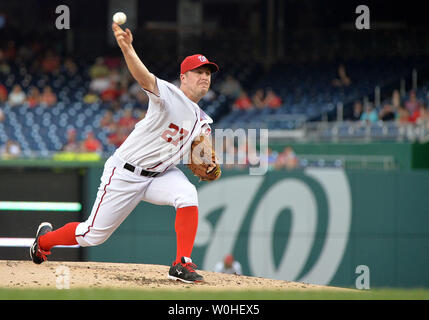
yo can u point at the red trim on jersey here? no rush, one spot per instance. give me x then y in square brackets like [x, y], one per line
[156, 83]
[151, 92]
[98, 207]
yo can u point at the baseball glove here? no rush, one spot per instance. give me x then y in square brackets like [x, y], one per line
[203, 161]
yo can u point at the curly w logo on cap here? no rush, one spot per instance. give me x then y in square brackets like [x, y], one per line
[195, 61]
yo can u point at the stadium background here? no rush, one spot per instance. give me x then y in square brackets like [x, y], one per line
[340, 192]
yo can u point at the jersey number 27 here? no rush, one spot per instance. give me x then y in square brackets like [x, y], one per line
[168, 135]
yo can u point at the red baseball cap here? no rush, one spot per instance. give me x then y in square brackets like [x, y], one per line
[195, 61]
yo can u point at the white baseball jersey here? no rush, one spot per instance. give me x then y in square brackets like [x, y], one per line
[157, 143]
[165, 135]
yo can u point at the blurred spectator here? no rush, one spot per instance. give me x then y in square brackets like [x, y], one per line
[3, 93]
[4, 66]
[396, 100]
[10, 51]
[48, 97]
[243, 102]
[115, 106]
[370, 114]
[343, 79]
[286, 159]
[270, 158]
[2, 115]
[387, 113]
[272, 100]
[99, 69]
[111, 93]
[118, 136]
[417, 114]
[70, 67]
[125, 96]
[403, 115]
[229, 265]
[17, 96]
[98, 85]
[72, 145]
[25, 53]
[99, 74]
[230, 87]
[127, 120]
[112, 62]
[114, 76]
[33, 97]
[134, 89]
[258, 99]
[113, 134]
[291, 158]
[107, 119]
[412, 104]
[10, 150]
[51, 62]
[357, 111]
[424, 116]
[124, 74]
[90, 97]
[91, 143]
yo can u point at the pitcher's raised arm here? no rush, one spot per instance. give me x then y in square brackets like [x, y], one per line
[136, 67]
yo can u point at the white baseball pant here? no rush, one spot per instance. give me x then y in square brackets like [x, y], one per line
[121, 190]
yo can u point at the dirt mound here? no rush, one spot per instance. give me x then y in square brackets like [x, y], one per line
[25, 274]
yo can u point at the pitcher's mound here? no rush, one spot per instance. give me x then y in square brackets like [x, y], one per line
[26, 274]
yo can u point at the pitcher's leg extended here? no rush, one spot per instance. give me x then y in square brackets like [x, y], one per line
[116, 198]
[173, 188]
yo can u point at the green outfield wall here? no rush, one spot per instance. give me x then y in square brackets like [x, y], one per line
[315, 225]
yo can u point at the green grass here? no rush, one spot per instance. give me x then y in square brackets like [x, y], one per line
[120, 294]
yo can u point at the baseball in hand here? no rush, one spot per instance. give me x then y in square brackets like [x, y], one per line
[119, 18]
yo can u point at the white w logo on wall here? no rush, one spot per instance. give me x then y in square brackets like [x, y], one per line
[235, 196]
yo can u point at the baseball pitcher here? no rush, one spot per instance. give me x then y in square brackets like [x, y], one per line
[144, 168]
